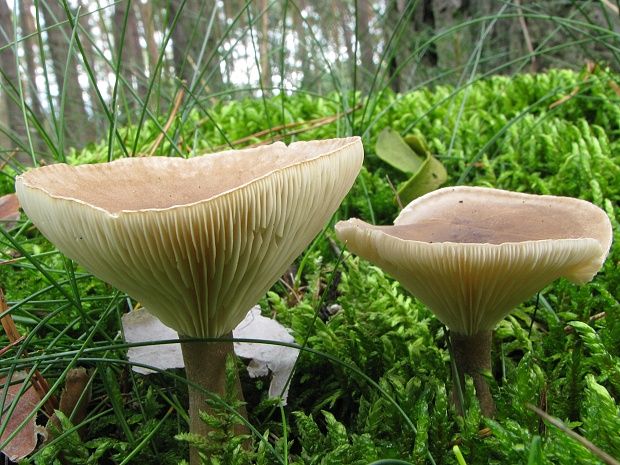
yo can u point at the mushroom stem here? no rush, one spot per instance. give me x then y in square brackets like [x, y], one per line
[472, 354]
[205, 365]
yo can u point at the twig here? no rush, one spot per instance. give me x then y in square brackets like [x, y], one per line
[526, 34]
[542, 428]
[334, 246]
[590, 68]
[326, 120]
[11, 261]
[38, 381]
[5, 162]
[400, 204]
[598, 316]
[580, 439]
[290, 286]
[12, 344]
[614, 87]
[315, 123]
[175, 109]
[483, 433]
[265, 132]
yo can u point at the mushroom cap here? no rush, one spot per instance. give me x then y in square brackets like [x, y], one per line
[197, 241]
[472, 254]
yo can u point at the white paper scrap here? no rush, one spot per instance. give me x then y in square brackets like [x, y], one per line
[140, 326]
[280, 360]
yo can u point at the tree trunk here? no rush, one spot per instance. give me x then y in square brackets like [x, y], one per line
[366, 45]
[75, 119]
[265, 64]
[147, 16]
[127, 43]
[13, 130]
[196, 56]
[409, 29]
[30, 45]
[87, 36]
[135, 56]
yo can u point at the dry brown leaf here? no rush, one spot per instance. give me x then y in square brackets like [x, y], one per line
[25, 441]
[9, 210]
[38, 381]
[74, 399]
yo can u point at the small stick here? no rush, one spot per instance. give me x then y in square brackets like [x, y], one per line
[265, 132]
[526, 34]
[590, 69]
[611, 6]
[315, 123]
[614, 87]
[5, 162]
[11, 261]
[598, 316]
[400, 204]
[177, 104]
[580, 439]
[483, 433]
[12, 344]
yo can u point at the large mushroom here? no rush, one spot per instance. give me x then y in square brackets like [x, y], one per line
[196, 241]
[472, 254]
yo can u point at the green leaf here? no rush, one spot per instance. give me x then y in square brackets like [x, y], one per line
[411, 156]
[429, 177]
[417, 145]
[392, 149]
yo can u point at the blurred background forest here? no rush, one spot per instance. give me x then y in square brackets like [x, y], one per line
[72, 69]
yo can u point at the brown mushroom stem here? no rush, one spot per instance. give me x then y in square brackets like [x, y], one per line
[472, 354]
[205, 365]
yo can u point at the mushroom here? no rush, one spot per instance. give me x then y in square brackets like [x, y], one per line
[196, 241]
[472, 254]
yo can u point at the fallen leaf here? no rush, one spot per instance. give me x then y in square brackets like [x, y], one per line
[429, 177]
[9, 210]
[411, 156]
[394, 150]
[25, 441]
[73, 400]
[416, 144]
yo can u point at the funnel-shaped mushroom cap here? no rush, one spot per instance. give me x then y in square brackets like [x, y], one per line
[197, 241]
[472, 254]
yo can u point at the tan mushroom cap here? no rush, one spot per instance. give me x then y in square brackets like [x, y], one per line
[472, 254]
[197, 241]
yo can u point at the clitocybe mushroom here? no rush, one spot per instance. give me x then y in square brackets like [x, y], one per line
[472, 254]
[197, 241]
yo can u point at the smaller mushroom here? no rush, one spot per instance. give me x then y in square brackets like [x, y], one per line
[472, 254]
